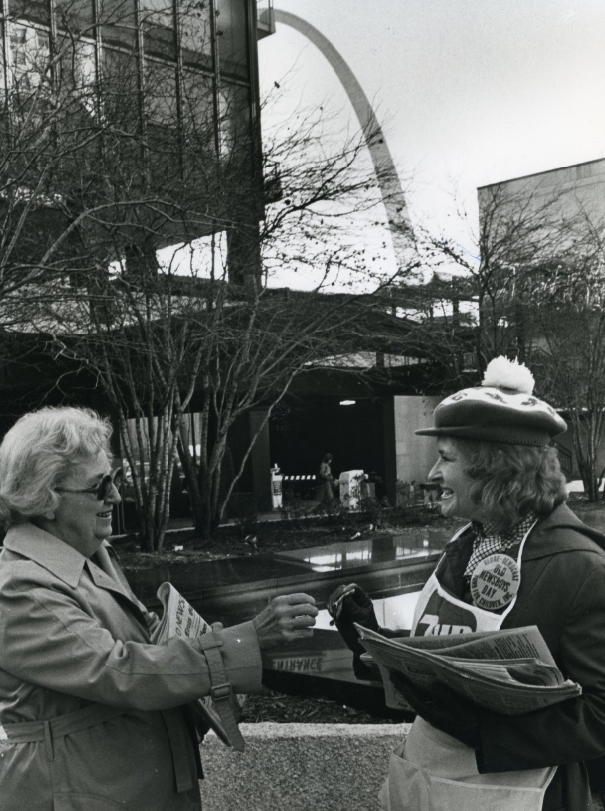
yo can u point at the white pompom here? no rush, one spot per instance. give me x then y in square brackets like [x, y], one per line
[502, 373]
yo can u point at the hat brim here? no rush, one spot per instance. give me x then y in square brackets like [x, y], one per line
[505, 435]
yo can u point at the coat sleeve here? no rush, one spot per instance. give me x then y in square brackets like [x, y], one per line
[573, 730]
[48, 639]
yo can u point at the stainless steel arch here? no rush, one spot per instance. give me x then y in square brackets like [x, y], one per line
[392, 193]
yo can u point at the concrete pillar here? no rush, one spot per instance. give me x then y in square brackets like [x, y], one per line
[408, 457]
[260, 461]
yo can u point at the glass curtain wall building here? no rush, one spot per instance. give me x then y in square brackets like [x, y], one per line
[107, 101]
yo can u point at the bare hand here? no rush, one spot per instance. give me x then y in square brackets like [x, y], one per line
[286, 619]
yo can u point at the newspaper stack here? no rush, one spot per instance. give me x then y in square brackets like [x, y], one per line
[510, 672]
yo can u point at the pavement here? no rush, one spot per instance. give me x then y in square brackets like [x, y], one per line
[298, 767]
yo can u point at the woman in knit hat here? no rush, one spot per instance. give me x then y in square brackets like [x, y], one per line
[498, 470]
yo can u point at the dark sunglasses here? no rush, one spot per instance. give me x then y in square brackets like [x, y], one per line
[103, 488]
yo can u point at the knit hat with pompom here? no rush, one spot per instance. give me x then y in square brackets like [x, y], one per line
[502, 409]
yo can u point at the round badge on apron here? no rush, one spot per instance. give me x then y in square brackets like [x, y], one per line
[495, 581]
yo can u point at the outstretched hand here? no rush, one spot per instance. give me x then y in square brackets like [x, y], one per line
[349, 604]
[285, 619]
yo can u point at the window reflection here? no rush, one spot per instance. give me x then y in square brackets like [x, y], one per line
[196, 34]
[36, 11]
[75, 16]
[136, 95]
[340, 558]
[234, 119]
[197, 120]
[157, 20]
[117, 21]
[231, 28]
[161, 114]
[29, 57]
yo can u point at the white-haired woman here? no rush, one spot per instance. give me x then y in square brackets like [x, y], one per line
[497, 470]
[93, 715]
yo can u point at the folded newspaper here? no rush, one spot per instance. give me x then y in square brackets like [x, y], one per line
[511, 672]
[181, 619]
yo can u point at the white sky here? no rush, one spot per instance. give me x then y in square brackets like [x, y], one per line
[469, 92]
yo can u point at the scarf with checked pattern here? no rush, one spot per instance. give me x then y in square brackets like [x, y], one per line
[488, 540]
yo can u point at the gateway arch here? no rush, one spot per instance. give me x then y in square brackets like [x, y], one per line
[390, 188]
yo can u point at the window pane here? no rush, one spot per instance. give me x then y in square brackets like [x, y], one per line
[199, 150]
[3, 77]
[234, 121]
[197, 109]
[28, 58]
[120, 108]
[162, 123]
[75, 16]
[119, 92]
[160, 93]
[35, 11]
[157, 20]
[77, 70]
[196, 40]
[3, 89]
[232, 36]
[117, 22]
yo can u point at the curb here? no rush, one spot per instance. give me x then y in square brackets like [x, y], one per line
[298, 767]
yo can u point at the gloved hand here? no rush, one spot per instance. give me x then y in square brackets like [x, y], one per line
[349, 604]
[442, 708]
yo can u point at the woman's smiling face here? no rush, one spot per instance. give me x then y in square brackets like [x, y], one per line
[450, 472]
[81, 519]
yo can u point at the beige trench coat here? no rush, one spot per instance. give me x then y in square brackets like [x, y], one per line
[74, 636]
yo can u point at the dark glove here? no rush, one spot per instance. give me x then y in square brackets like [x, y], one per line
[442, 708]
[349, 604]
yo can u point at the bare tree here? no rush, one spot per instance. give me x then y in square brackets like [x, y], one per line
[160, 251]
[521, 230]
[535, 285]
[567, 304]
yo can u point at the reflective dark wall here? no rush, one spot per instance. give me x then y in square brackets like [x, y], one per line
[302, 432]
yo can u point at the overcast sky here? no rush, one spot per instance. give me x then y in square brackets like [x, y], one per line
[469, 92]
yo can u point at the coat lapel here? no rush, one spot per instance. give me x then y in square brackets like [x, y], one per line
[547, 538]
[106, 575]
[66, 563]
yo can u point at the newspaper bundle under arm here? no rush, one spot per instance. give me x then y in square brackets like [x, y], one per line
[508, 671]
[217, 711]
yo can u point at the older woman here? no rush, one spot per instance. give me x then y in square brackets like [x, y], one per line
[498, 471]
[93, 714]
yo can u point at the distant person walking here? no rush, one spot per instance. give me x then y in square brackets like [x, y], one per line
[325, 489]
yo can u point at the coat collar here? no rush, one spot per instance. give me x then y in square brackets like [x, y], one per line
[562, 531]
[53, 554]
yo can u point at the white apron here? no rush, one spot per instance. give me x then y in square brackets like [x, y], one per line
[431, 771]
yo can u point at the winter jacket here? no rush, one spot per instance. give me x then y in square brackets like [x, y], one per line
[562, 591]
[75, 651]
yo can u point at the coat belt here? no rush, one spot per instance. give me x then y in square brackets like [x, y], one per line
[67, 724]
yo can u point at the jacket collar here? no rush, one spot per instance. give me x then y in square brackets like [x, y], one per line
[560, 531]
[552, 534]
[48, 551]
